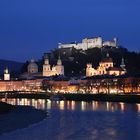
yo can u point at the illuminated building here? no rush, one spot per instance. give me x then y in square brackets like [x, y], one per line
[22, 85]
[88, 43]
[106, 67]
[6, 75]
[55, 70]
[48, 70]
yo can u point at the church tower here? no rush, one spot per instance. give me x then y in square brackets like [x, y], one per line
[6, 75]
[46, 67]
[115, 41]
[89, 70]
[59, 67]
[123, 64]
[107, 55]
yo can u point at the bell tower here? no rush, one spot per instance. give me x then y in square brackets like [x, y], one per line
[59, 67]
[46, 67]
[123, 64]
[59, 62]
[6, 75]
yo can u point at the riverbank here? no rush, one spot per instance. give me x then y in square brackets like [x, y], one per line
[20, 117]
[26, 95]
[104, 97]
[4, 107]
[126, 98]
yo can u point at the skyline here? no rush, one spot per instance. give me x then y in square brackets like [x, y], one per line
[30, 28]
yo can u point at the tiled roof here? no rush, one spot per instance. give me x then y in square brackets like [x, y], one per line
[115, 69]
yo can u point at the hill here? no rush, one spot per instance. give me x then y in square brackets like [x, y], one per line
[75, 60]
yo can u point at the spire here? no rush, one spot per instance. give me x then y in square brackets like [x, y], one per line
[6, 71]
[122, 64]
[59, 62]
[115, 41]
[107, 55]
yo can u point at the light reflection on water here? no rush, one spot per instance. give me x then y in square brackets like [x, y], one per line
[70, 120]
[72, 105]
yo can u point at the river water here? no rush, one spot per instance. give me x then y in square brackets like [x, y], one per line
[70, 120]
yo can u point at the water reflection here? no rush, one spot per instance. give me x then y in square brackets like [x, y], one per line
[83, 120]
[72, 105]
[138, 108]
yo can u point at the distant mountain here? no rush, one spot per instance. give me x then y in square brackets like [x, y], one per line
[13, 66]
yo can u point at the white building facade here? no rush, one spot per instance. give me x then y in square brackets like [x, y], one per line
[88, 43]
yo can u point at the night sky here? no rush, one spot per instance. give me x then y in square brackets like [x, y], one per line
[28, 28]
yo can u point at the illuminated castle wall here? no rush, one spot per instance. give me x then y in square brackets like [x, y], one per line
[90, 43]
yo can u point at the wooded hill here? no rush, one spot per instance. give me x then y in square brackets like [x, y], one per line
[75, 60]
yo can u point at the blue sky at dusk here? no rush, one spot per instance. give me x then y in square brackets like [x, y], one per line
[28, 28]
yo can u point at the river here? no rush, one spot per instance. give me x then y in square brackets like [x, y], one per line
[70, 120]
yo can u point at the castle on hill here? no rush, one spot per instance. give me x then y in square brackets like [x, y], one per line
[88, 43]
[106, 67]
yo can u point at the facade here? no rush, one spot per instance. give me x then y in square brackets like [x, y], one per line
[48, 70]
[22, 85]
[99, 84]
[55, 70]
[93, 85]
[106, 67]
[61, 86]
[88, 43]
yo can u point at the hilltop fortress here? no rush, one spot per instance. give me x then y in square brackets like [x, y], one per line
[88, 43]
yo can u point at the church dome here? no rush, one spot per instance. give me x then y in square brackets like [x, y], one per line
[32, 67]
[108, 59]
